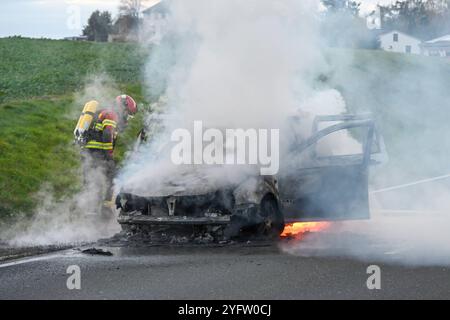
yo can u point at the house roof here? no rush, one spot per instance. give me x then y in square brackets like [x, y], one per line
[160, 7]
[400, 32]
[441, 42]
[445, 38]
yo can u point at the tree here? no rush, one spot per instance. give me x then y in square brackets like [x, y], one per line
[342, 25]
[421, 18]
[129, 20]
[342, 6]
[99, 26]
[130, 8]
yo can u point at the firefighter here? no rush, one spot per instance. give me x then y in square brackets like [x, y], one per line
[100, 139]
[102, 136]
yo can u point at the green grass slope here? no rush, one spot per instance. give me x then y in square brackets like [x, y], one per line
[34, 147]
[35, 68]
[38, 79]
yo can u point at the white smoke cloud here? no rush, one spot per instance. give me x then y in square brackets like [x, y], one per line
[409, 224]
[235, 64]
[74, 220]
[419, 239]
[254, 63]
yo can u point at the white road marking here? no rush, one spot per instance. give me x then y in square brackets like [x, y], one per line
[411, 184]
[392, 212]
[29, 260]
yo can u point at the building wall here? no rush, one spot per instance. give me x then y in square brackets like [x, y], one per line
[438, 51]
[399, 42]
[154, 26]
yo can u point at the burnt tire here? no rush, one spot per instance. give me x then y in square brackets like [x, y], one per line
[273, 224]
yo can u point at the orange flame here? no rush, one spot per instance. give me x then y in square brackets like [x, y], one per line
[298, 229]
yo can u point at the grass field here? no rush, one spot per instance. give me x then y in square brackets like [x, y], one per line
[38, 110]
[35, 147]
[35, 68]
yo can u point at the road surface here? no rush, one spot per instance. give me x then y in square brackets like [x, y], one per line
[198, 272]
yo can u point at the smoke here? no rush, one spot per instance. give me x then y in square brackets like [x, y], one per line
[233, 64]
[410, 210]
[100, 87]
[256, 63]
[414, 238]
[409, 223]
[78, 218]
[81, 216]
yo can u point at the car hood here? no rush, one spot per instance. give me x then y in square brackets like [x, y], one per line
[183, 180]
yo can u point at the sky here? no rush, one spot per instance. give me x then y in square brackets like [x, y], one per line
[57, 19]
[54, 19]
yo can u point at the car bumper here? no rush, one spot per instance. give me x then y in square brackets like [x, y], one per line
[172, 220]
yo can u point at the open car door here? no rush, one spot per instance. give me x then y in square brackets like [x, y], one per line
[330, 179]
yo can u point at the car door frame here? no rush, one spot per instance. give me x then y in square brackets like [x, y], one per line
[353, 164]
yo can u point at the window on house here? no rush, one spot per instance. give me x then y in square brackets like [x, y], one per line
[395, 37]
[408, 49]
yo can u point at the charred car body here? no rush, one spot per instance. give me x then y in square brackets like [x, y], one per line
[324, 187]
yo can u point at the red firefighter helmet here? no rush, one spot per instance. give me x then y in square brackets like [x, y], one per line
[126, 103]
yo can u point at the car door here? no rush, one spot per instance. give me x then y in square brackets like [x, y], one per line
[330, 179]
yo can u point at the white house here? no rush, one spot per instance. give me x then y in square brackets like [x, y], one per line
[76, 38]
[396, 41]
[439, 47]
[155, 21]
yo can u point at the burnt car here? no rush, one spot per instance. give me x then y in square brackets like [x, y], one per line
[318, 183]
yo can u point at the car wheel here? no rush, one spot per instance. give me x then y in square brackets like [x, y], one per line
[273, 224]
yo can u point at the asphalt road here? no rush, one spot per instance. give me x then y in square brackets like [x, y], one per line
[230, 272]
